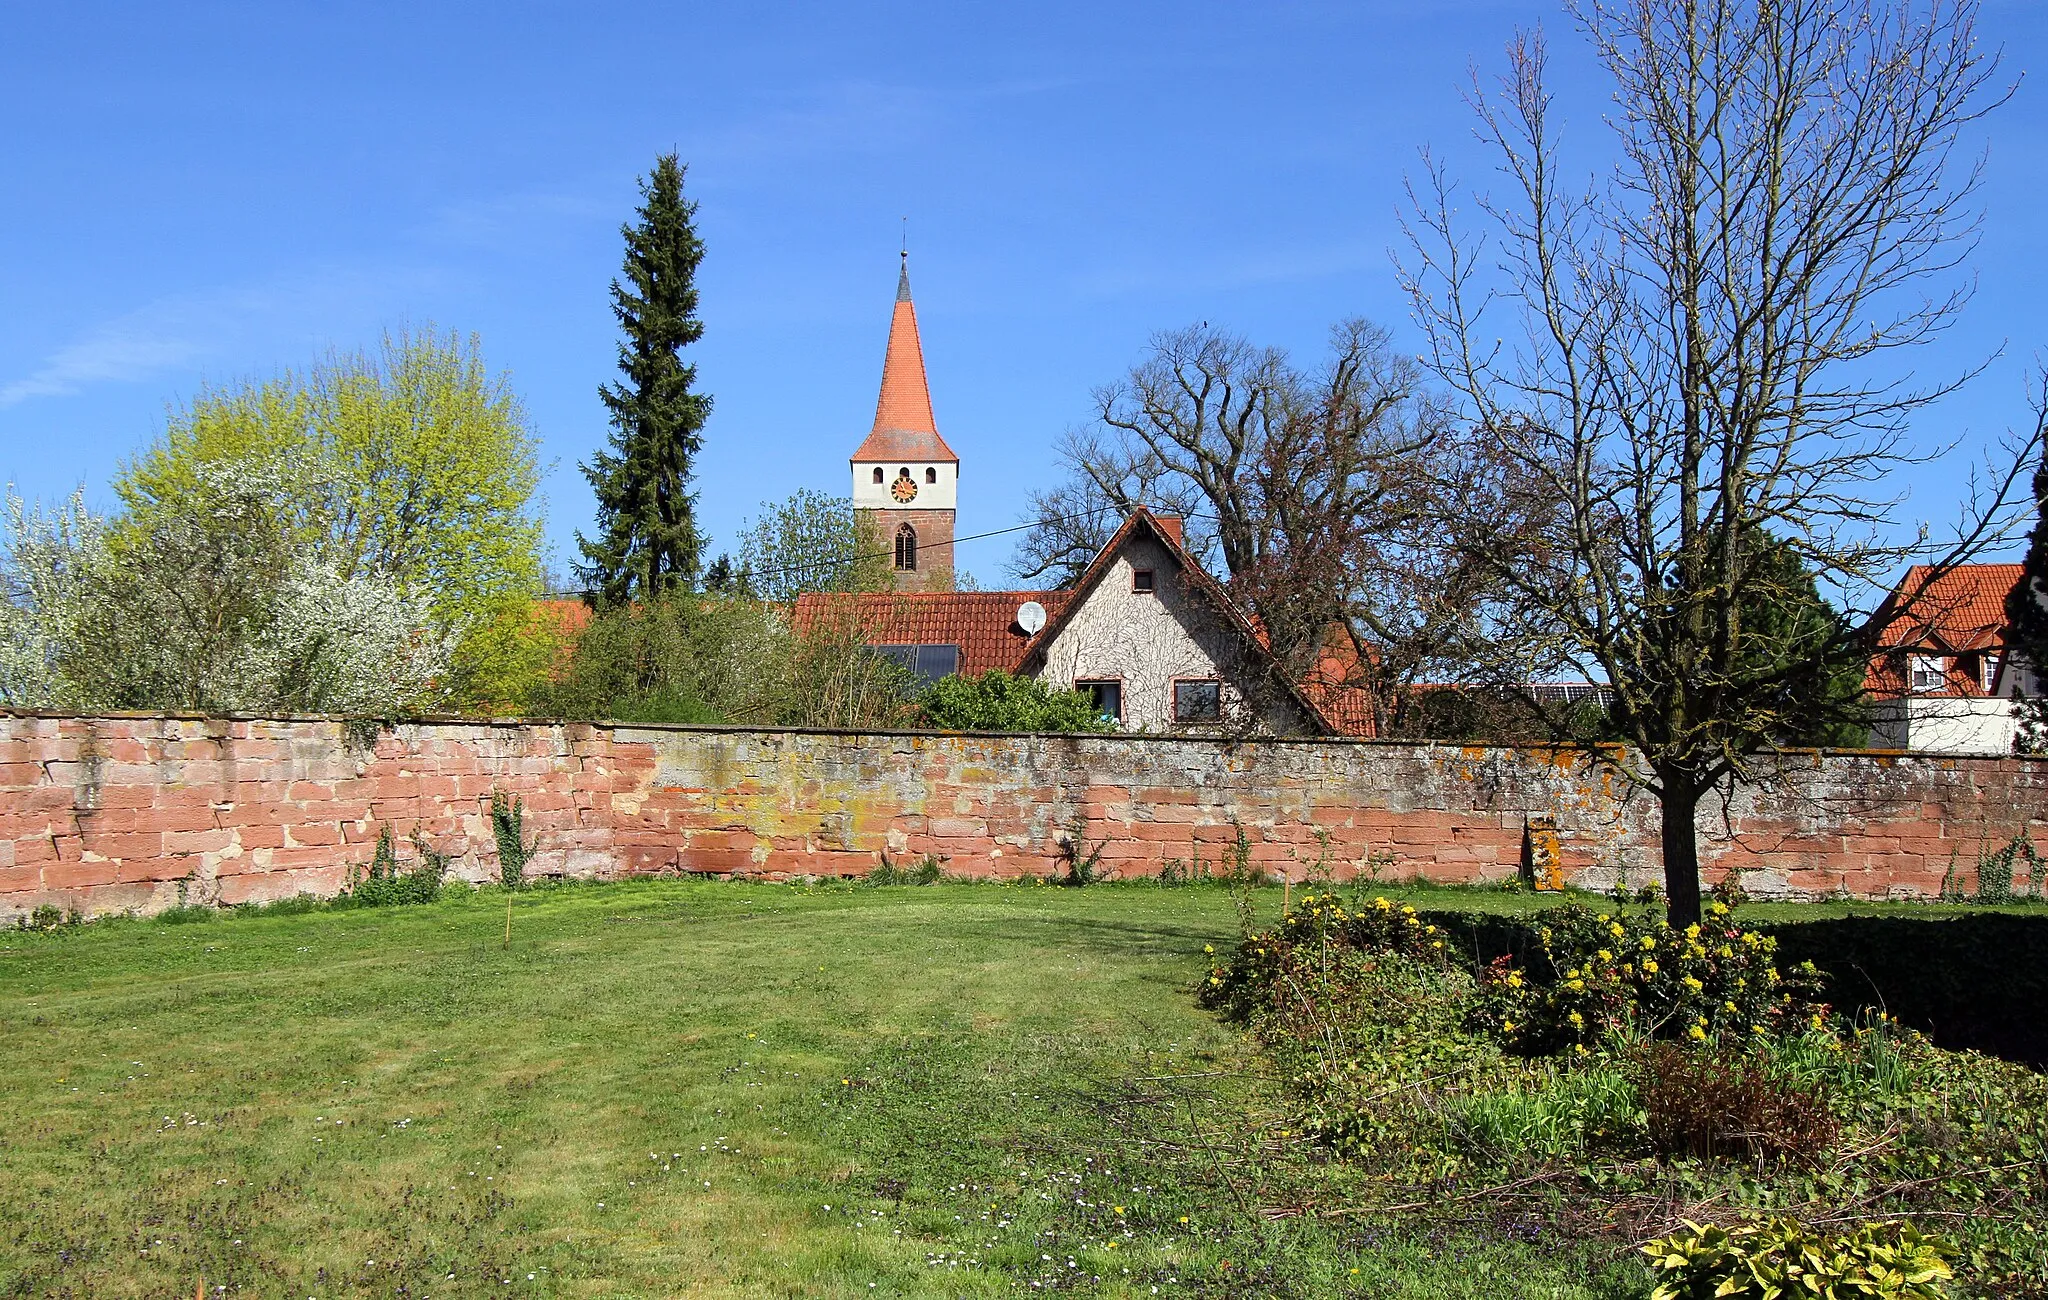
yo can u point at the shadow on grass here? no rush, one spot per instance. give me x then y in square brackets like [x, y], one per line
[1966, 981]
[1975, 981]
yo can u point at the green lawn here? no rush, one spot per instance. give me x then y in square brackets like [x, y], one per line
[672, 1088]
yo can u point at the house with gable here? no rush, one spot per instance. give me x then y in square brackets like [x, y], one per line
[1943, 679]
[1146, 632]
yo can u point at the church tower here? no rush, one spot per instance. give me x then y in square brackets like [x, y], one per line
[905, 478]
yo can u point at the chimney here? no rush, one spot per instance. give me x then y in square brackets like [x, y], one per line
[1170, 525]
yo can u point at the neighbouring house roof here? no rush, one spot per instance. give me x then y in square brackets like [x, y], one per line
[1144, 522]
[1960, 612]
[1335, 682]
[569, 614]
[982, 623]
[904, 426]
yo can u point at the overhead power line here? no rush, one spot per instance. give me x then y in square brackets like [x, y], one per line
[812, 566]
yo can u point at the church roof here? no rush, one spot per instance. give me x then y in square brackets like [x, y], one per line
[904, 426]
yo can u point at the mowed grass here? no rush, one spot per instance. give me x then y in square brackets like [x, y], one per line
[676, 1088]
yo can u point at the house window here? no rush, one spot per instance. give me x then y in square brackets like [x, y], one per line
[878, 473]
[1990, 671]
[1107, 695]
[906, 549]
[1929, 672]
[930, 475]
[1197, 700]
[927, 663]
[1141, 580]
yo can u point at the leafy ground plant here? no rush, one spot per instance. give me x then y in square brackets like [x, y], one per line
[1780, 1258]
[383, 882]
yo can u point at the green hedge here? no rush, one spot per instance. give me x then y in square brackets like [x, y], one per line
[1966, 981]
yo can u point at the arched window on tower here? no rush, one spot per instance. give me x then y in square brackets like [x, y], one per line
[906, 549]
[878, 473]
[931, 475]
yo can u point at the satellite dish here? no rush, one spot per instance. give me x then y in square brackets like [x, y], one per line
[1031, 617]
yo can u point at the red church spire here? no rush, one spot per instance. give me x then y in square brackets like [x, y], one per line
[904, 427]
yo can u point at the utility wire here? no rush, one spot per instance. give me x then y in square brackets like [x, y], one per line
[812, 566]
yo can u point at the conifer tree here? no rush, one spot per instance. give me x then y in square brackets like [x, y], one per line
[2026, 618]
[647, 540]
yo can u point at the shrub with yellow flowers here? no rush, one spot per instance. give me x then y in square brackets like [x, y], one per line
[1321, 923]
[1597, 976]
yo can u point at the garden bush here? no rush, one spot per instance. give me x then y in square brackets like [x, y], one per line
[1595, 976]
[1319, 922]
[1434, 1060]
[1974, 981]
[1000, 701]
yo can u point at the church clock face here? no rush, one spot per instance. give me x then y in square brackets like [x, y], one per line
[904, 489]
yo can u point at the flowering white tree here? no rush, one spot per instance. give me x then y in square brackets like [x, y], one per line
[214, 602]
[48, 558]
[357, 645]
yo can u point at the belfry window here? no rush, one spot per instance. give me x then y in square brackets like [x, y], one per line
[931, 475]
[906, 549]
[878, 473]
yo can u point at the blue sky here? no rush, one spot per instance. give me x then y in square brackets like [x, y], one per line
[197, 193]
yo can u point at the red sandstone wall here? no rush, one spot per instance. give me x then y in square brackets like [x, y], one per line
[139, 813]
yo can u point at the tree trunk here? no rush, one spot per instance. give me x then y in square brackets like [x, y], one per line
[1680, 834]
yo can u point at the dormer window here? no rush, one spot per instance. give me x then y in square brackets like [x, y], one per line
[1928, 672]
[1990, 671]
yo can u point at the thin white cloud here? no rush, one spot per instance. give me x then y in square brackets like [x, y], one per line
[188, 330]
[142, 343]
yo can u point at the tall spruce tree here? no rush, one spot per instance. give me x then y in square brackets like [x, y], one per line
[2026, 618]
[648, 541]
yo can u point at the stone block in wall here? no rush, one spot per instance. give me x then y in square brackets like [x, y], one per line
[78, 874]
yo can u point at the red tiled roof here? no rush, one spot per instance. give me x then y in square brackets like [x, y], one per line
[1961, 612]
[904, 426]
[569, 616]
[1334, 683]
[982, 623]
[1963, 609]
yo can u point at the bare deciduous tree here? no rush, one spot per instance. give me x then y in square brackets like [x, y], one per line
[1704, 354]
[1317, 493]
